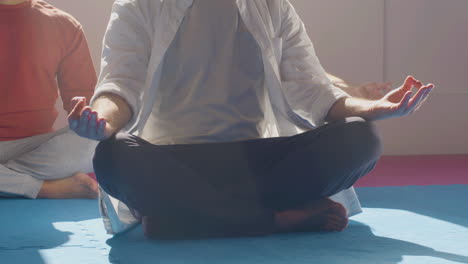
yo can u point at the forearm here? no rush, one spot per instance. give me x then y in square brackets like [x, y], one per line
[350, 106]
[114, 109]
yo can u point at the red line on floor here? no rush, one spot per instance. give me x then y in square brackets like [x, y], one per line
[418, 170]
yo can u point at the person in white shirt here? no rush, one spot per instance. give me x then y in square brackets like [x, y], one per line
[232, 127]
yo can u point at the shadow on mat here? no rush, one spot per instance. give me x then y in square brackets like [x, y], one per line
[447, 203]
[356, 245]
[27, 226]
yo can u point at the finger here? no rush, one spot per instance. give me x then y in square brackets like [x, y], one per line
[418, 104]
[84, 121]
[418, 84]
[101, 128]
[76, 100]
[403, 105]
[92, 125]
[73, 102]
[422, 91]
[420, 98]
[73, 118]
[409, 83]
[73, 123]
[417, 97]
[78, 106]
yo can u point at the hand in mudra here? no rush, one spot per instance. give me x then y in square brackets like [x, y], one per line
[401, 101]
[87, 123]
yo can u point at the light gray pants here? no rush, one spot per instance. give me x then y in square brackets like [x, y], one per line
[26, 163]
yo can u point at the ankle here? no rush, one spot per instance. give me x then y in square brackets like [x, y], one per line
[44, 192]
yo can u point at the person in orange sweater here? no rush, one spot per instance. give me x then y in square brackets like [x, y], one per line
[43, 51]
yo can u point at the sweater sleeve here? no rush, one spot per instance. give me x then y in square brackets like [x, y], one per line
[76, 75]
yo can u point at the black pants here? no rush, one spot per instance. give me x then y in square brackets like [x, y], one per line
[234, 188]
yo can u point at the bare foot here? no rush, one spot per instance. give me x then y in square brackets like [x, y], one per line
[321, 215]
[78, 186]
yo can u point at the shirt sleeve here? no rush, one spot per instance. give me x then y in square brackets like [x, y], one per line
[76, 75]
[305, 84]
[125, 56]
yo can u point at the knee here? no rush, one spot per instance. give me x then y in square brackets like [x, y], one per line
[107, 154]
[113, 146]
[362, 138]
[103, 152]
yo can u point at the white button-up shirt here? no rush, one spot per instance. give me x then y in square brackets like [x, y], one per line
[212, 81]
[299, 94]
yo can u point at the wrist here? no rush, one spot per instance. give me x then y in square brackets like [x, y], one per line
[368, 110]
[352, 106]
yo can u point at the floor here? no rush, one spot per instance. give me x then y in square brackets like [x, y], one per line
[401, 223]
[418, 170]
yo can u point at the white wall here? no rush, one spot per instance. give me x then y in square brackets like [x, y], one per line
[374, 40]
[429, 38]
[347, 35]
[385, 40]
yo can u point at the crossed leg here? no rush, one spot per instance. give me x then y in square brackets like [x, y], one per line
[48, 166]
[239, 188]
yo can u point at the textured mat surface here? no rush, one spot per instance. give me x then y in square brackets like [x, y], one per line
[418, 224]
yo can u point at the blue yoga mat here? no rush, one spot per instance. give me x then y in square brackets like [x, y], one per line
[418, 224]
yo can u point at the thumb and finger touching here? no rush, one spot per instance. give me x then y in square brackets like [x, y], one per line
[84, 121]
[77, 105]
[410, 101]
